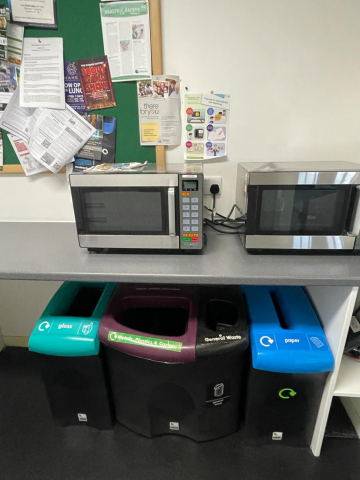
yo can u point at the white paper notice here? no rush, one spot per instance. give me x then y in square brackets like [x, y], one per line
[126, 35]
[34, 12]
[29, 164]
[42, 73]
[53, 136]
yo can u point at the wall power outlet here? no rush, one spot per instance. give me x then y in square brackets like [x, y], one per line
[208, 181]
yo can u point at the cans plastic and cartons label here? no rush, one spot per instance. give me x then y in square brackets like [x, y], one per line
[144, 341]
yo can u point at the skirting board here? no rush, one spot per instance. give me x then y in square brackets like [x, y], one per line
[352, 407]
[16, 341]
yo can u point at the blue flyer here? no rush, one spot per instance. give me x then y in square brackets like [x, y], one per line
[74, 96]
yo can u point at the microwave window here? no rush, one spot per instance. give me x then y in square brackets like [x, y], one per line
[312, 211]
[123, 211]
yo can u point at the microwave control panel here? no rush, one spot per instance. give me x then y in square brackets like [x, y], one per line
[191, 211]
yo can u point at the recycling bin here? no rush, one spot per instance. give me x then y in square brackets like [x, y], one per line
[71, 365]
[291, 359]
[176, 358]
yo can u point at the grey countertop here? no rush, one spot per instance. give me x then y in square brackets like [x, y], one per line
[50, 251]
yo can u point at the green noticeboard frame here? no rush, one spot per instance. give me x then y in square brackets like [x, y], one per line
[80, 27]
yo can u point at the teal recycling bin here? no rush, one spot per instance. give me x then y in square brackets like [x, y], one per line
[66, 339]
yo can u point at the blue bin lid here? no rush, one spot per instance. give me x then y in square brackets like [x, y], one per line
[285, 332]
[70, 336]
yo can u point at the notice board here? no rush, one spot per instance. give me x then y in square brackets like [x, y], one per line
[80, 27]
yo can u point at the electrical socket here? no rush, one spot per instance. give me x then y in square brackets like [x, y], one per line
[208, 181]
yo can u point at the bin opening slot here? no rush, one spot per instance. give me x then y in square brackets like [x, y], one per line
[84, 303]
[168, 322]
[278, 310]
[220, 315]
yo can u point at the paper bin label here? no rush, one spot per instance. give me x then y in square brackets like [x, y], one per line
[131, 339]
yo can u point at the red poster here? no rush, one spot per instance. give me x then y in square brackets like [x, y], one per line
[96, 82]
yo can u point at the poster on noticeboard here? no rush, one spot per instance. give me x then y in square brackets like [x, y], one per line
[206, 125]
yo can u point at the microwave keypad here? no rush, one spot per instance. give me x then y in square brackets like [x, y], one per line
[191, 204]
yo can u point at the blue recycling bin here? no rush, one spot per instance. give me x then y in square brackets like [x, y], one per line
[291, 359]
[66, 340]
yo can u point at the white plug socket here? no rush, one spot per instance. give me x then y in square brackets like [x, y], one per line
[208, 181]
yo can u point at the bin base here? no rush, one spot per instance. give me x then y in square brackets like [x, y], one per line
[282, 407]
[155, 398]
[77, 391]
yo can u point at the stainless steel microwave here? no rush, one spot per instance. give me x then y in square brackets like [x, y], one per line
[300, 206]
[148, 209]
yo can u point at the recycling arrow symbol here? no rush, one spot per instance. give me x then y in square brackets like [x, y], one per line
[286, 393]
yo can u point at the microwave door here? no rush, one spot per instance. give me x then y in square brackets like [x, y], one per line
[300, 217]
[127, 217]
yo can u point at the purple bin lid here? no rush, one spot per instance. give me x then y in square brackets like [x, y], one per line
[178, 348]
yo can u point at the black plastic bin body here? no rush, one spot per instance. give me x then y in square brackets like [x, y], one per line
[200, 395]
[78, 391]
[72, 364]
[288, 419]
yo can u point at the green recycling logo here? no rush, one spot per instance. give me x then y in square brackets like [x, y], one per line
[287, 393]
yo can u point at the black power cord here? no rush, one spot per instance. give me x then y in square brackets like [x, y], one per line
[235, 224]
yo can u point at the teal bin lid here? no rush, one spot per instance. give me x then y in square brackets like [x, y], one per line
[67, 330]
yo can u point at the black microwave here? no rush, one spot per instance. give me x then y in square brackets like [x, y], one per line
[300, 206]
[140, 210]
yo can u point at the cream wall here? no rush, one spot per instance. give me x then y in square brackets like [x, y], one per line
[293, 71]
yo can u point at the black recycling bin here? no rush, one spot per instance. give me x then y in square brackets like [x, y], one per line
[176, 358]
[291, 359]
[72, 368]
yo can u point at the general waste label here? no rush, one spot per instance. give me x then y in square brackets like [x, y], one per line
[161, 343]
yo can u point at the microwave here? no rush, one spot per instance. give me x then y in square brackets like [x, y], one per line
[300, 206]
[134, 210]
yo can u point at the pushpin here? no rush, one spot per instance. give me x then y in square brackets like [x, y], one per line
[186, 88]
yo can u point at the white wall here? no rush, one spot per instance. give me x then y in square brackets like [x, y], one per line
[292, 69]
[22, 303]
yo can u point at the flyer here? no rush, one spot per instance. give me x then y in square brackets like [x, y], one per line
[206, 125]
[8, 77]
[126, 36]
[159, 110]
[94, 75]
[101, 146]
[34, 13]
[74, 95]
[3, 34]
[1, 153]
[15, 38]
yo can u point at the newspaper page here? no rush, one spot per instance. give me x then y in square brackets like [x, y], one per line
[206, 125]
[53, 136]
[126, 36]
[42, 73]
[29, 164]
[159, 110]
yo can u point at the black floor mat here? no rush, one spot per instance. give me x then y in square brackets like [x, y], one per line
[31, 447]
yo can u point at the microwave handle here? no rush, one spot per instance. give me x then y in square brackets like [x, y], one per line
[355, 220]
[171, 207]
